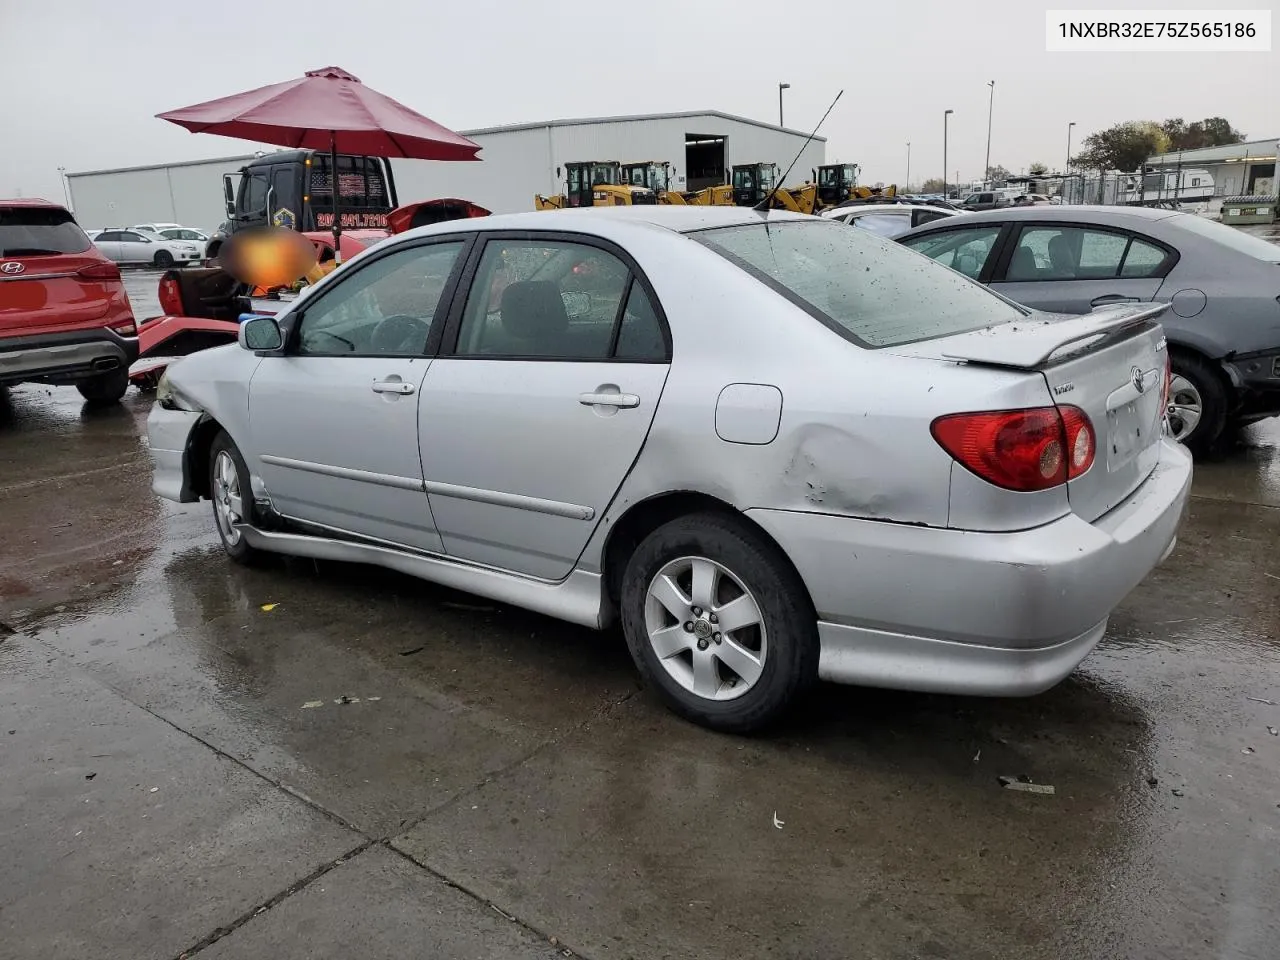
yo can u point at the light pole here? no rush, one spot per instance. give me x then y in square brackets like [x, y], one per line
[907, 183]
[66, 193]
[945, 115]
[1068, 171]
[781, 87]
[986, 170]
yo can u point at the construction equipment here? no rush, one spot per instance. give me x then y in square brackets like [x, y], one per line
[752, 182]
[595, 183]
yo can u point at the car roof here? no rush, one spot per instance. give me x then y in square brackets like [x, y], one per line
[1097, 214]
[606, 220]
[31, 202]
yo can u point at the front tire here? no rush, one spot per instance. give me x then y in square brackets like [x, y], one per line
[719, 623]
[1197, 403]
[163, 259]
[106, 387]
[232, 497]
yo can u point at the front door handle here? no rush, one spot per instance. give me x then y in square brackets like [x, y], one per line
[392, 386]
[1110, 298]
[608, 399]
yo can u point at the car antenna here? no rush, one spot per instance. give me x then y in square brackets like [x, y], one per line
[764, 204]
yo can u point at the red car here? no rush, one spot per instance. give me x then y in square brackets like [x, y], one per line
[64, 314]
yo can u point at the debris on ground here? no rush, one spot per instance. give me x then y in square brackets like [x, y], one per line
[410, 653]
[1273, 731]
[977, 756]
[312, 704]
[90, 776]
[268, 607]
[1023, 782]
[1153, 781]
[344, 699]
[1247, 750]
[776, 822]
[155, 789]
[1269, 703]
[1177, 793]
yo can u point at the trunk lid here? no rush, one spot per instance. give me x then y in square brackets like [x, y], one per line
[1109, 363]
[42, 251]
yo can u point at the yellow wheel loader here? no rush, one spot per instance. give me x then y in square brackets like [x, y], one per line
[595, 183]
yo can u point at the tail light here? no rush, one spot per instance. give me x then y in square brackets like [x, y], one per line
[129, 329]
[1024, 450]
[170, 297]
[100, 271]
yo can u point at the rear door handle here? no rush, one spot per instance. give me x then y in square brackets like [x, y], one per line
[1112, 298]
[392, 386]
[608, 399]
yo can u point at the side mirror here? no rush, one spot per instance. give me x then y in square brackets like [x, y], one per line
[260, 334]
[576, 304]
[228, 195]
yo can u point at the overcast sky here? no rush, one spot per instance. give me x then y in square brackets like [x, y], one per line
[82, 79]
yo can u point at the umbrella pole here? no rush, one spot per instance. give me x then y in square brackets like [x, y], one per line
[337, 193]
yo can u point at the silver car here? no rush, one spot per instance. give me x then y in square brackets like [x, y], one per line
[1222, 285]
[132, 246]
[774, 448]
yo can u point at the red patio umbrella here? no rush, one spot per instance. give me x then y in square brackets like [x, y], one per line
[327, 109]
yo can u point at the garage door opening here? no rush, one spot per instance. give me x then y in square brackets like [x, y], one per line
[704, 160]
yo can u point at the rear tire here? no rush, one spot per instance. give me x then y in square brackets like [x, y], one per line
[163, 259]
[719, 623]
[1197, 403]
[106, 387]
[232, 497]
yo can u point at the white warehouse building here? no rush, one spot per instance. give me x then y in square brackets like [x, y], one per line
[517, 162]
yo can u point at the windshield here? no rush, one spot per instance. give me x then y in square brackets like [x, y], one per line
[36, 231]
[603, 173]
[868, 289]
[657, 177]
[1232, 237]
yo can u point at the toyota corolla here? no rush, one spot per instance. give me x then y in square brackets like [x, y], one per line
[773, 448]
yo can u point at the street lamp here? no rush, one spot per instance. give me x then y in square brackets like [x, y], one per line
[945, 115]
[66, 193]
[986, 170]
[781, 87]
[907, 183]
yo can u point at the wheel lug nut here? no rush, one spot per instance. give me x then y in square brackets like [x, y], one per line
[688, 626]
[717, 638]
[713, 618]
[697, 611]
[702, 644]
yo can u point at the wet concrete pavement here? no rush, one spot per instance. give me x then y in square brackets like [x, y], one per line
[178, 774]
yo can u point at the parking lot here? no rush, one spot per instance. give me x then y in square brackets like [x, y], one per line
[326, 760]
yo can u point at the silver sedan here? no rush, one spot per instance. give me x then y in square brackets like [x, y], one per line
[774, 448]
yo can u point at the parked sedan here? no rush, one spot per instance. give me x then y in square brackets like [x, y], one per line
[888, 219]
[1223, 323]
[187, 235]
[774, 448]
[131, 246]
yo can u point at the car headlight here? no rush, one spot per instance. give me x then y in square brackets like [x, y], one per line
[169, 398]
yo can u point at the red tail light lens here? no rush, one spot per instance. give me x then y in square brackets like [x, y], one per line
[170, 297]
[1023, 450]
[100, 271]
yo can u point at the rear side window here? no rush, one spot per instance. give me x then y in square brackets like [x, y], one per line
[870, 290]
[1075, 253]
[39, 231]
[965, 250]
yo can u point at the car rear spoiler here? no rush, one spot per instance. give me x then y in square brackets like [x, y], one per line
[1028, 344]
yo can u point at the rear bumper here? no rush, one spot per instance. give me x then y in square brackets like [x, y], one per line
[65, 357]
[999, 614]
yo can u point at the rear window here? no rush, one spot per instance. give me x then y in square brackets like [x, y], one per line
[1232, 237]
[870, 290]
[36, 231]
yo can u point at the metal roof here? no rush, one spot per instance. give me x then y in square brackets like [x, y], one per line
[487, 131]
[1251, 149]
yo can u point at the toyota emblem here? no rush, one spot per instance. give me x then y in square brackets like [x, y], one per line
[1139, 380]
[11, 267]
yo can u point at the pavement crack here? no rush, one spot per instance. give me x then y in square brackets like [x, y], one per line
[273, 901]
[1246, 503]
